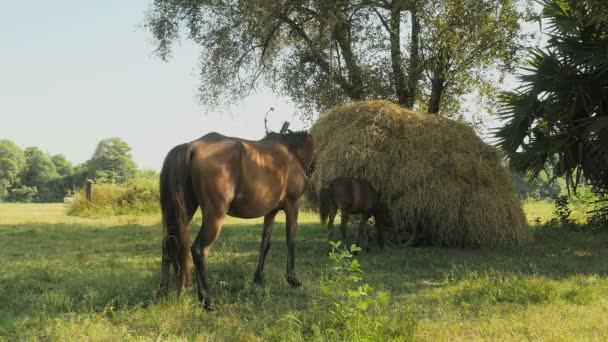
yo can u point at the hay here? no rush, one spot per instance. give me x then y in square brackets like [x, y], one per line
[435, 173]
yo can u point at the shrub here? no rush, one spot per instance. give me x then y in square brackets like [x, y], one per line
[358, 306]
[140, 196]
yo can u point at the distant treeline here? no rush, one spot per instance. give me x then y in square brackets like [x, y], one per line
[32, 175]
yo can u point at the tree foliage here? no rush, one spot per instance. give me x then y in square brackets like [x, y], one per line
[40, 175]
[560, 114]
[464, 40]
[12, 162]
[112, 162]
[539, 188]
[321, 53]
[35, 176]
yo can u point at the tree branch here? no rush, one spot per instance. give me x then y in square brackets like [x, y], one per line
[341, 34]
[318, 58]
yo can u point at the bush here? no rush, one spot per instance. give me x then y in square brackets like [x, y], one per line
[137, 197]
[357, 314]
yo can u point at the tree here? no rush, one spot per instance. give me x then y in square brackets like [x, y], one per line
[65, 182]
[560, 113]
[464, 39]
[321, 53]
[148, 174]
[112, 162]
[538, 188]
[12, 162]
[38, 174]
[23, 194]
[63, 166]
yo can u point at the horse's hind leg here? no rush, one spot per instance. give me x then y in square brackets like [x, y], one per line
[168, 259]
[331, 228]
[210, 229]
[330, 224]
[264, 247]
[165, 269]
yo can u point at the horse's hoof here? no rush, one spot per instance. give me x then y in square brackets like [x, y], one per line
[293, 281]
[208, 304]
[258, 278]
[161, 295]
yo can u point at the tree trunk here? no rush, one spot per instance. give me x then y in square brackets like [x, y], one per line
[354, 71]
[437, 85]
[414, 69]
[401, 89]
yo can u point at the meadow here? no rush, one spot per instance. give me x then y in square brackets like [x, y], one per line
[95, 278]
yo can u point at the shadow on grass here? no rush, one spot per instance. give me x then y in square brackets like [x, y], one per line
[59, 268]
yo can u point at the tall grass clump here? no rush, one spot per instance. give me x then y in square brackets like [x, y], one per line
[436, 174]
[140, 196]
[358, 309]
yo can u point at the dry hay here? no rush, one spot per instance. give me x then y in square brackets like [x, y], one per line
[436, 174]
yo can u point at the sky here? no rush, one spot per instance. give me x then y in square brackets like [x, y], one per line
[75, 72]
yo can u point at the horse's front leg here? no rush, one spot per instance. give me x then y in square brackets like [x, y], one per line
[362, 233]
[210, 229]
[264, 247]
[380, 232]
[344, 224]
[291, 226]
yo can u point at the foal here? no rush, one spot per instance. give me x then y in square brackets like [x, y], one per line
[353, 196]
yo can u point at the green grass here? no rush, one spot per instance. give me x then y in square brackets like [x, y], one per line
[543, 211]
[72, 278]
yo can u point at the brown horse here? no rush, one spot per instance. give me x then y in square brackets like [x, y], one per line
[354, 196]
[230, 176]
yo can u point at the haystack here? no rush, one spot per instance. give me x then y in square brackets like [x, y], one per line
[436, 174]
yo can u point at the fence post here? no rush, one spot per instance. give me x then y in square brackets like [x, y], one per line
[89, 190]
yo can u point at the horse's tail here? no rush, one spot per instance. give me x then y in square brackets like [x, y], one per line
[325, 202]
[176, 200]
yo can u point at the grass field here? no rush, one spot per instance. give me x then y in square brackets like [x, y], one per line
[68, 278]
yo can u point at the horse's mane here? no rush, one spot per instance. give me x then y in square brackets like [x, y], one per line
[291, 139]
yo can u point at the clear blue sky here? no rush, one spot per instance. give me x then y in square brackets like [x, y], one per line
[75, 72]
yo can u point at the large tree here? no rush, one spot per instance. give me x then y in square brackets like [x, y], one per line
[12, 162]
[320, 53]
[560, 114]
[112, 162]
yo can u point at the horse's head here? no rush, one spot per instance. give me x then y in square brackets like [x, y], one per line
[383, 216]
[306, 154]
[301, 144]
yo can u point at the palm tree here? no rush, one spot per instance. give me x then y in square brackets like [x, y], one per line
[559, 115]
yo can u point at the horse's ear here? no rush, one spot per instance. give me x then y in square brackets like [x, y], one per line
[285, 127]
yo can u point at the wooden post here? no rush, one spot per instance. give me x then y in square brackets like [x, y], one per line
[89, 190]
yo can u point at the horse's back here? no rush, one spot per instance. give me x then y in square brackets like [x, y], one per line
[248, 176]
[353, 194]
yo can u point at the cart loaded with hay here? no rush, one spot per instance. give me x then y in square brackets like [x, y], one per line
[438, 178]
